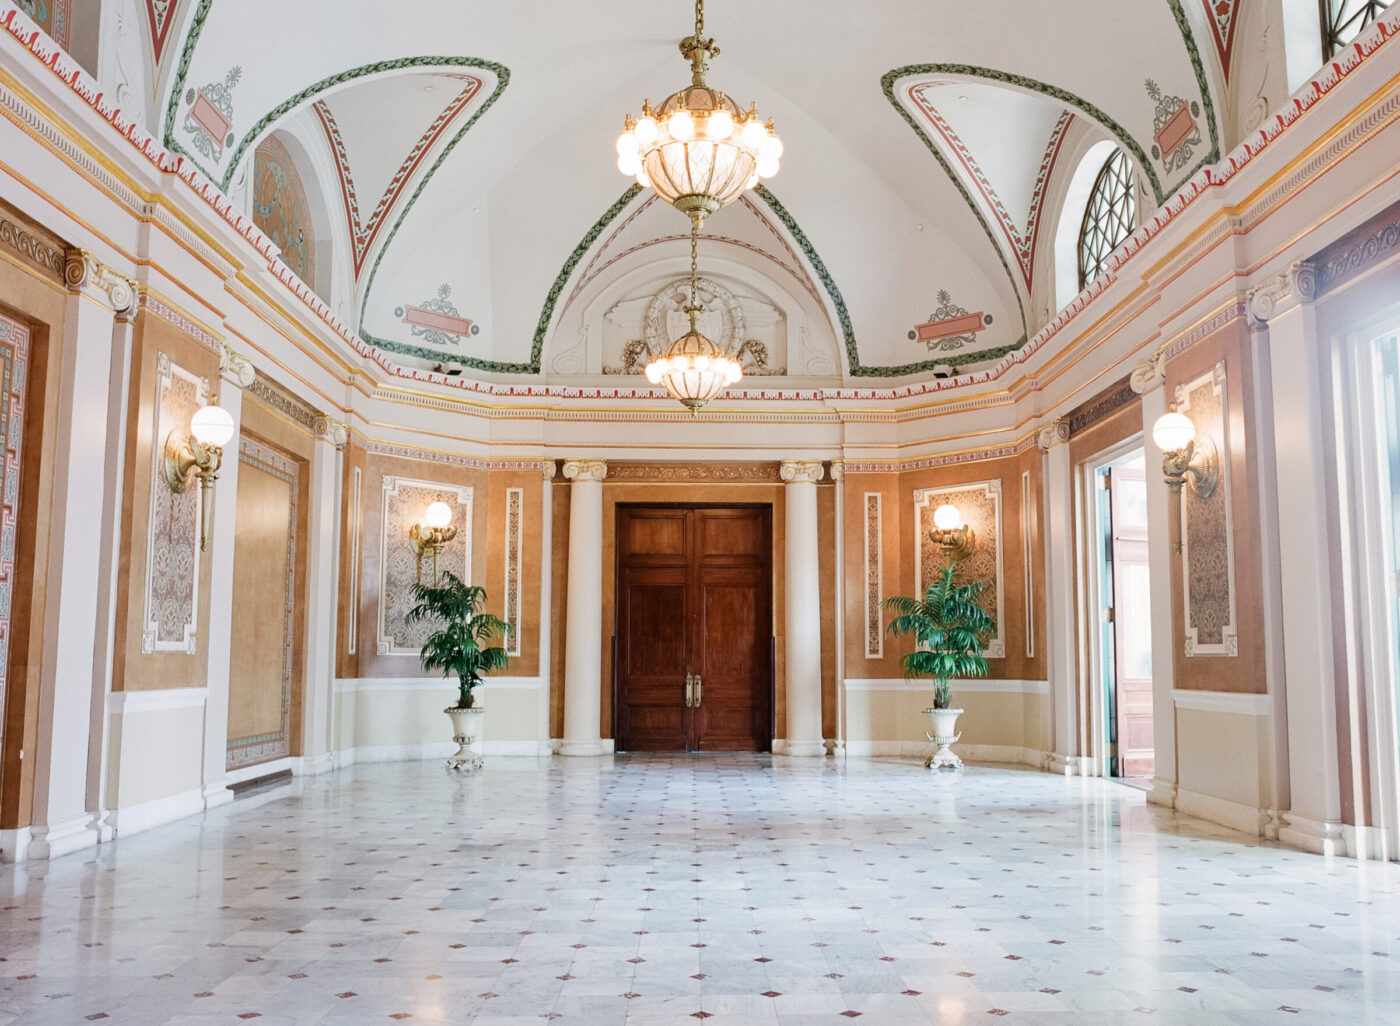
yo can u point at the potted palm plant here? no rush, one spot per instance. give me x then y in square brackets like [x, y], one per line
[458, 646]
[950, 633]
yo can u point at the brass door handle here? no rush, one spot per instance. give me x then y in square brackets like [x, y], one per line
[689, 690]
[698, 690]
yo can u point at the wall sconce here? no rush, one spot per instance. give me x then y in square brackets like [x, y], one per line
[1185, 454]
[956, 537]
[431, 536]
[199, 453]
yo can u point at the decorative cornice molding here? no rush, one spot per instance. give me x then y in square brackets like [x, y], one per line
[273, 395]
[235, 369]
[1352, 255]
[16, 237]
[801, 471]
[585, 470]
[952, 459]
[1203, 330]
[1055, 433]
[1104, 405]
[83, 272]
[407, 452]
[688, 472]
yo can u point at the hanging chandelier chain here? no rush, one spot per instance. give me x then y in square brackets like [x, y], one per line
[699, 19]
[693, 308]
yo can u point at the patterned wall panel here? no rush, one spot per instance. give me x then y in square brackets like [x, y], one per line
[267, 671]
[352, 621]
[515, 504]
[1208, 543]
[874, 582]
[172, 541]
[280, 208]
[405, 501]
[1028, 564]
[14, 364]
[980, 506]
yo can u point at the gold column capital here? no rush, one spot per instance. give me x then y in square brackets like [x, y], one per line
[585, 470]
[801, 471]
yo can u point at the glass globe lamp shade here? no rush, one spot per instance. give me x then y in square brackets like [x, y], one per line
[438, 514]
[693, 370]
[212, 425]
[1173, 432]
[947, 517]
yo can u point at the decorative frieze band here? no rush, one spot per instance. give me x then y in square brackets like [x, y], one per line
[409, 452]
[998, 452]
[688, 472]
[14, 236]
[1101, 407]
[155, 305]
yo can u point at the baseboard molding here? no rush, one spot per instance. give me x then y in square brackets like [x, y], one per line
[76, 833]
[263, 769]
[157, 812]
[1162, 792]
[1247, 819]
[1011, 755]
[585, 749]
[517, 749]
[14, 844]
[392, 753]
[799, 749]
[1322, 837]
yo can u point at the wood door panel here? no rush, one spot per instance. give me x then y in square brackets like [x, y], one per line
[694, 598]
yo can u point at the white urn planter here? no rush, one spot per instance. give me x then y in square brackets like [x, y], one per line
[944, 723]
[466, 731]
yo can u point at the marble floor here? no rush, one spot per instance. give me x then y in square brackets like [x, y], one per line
[716, 889]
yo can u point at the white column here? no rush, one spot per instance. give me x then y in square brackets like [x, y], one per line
[838, 474]
[105, 644]
[547, 470]
[64, 821]
[583, 629]
[320, 595]
[1313, 820]
[802, 620]
[1147, 380]
[235, 374]
[1061, 643]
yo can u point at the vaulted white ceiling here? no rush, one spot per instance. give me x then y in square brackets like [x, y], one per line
[464, 151]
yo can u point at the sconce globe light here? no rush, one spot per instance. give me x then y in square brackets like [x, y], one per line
[212, 425]
[1173, 432]
[947, 518]
[199, 453]
[439, 514]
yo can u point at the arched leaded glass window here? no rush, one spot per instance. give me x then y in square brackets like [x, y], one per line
[1108, 219]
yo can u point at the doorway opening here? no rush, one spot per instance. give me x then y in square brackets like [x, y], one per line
[1125, 617]
[693, 670]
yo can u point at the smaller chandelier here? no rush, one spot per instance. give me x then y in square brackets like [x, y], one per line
[693, 368]
[698, 150]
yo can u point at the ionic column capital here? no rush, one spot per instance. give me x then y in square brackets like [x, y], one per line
[1150, 374]
[801, 471]
[1298, 282]
[83, 272]
[548, 468]
[337, 432]
[1053, 434]
[585, 470]
[838, 470]
[235, 369]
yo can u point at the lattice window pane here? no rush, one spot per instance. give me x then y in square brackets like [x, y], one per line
[1343, 19]
[1108, 219]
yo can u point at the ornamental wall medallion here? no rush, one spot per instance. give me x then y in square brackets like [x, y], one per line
[209, 120]
[950, 327]
[436, 320]
[1175, 133]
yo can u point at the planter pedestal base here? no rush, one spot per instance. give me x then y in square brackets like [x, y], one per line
[466, 728]
[944, 722]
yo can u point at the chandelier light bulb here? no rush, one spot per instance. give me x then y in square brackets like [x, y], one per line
[719, 124]
[643, 179]
[629, 163]
[753, 133]
[771, 148]
[768, 168]
[627, 144]
[646, 131]
[681, 125]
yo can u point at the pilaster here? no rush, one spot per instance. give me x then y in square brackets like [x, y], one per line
[322, 559]
[583, 628]
[802, 621]
[1060, 598]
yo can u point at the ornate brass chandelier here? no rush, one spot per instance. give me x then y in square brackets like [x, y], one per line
[699, 151]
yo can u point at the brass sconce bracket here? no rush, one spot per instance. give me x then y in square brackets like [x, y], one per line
[957, 542]
[429, 541]
[186, 459]
[1200, 461]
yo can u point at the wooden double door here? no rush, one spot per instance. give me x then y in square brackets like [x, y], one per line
[694, 628]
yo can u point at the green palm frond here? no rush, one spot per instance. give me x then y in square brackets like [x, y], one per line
[456, 646]
[950, 630]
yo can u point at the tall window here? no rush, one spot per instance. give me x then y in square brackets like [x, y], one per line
[1108, 219]
[1343, 19]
